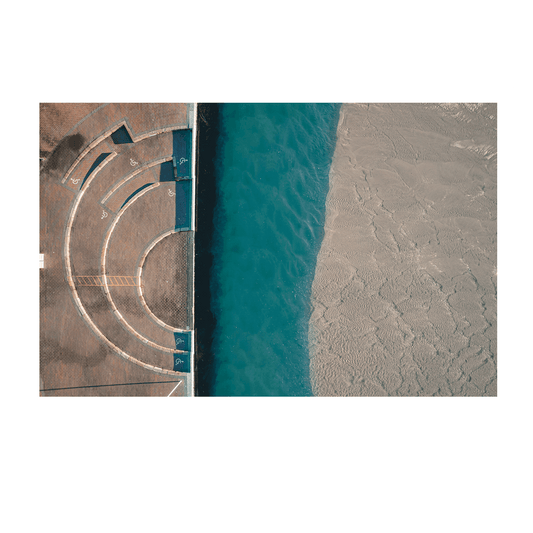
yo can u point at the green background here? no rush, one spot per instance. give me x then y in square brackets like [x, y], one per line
[262, 474]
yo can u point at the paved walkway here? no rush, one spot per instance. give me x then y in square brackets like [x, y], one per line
[102, 207]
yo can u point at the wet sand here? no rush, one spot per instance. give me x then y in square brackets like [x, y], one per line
[404, 295]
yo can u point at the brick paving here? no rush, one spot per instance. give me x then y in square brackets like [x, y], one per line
[56, 120]
[117, 200]
[165, 280]
[99, 337]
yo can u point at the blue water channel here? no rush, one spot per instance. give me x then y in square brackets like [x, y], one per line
[272, 169]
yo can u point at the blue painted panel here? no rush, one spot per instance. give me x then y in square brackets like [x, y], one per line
[183, 341]
[121, 136]
[181, 150]
[182, 362]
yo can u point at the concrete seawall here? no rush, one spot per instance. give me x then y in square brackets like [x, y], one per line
[208, 131]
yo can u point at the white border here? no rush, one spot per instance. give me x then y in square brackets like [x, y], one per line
[30, 403]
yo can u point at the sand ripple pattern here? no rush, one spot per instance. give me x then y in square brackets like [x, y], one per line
[405, 288]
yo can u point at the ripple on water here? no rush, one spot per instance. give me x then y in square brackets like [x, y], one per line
[273, 165]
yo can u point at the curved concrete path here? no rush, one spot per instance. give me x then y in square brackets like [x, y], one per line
[119, 212]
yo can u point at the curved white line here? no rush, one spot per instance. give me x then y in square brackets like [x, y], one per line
[77, 300]
[139, 286]
[131, 176]
[103, 259]
[96, 142]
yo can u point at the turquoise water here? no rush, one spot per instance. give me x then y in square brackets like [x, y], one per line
[272, 179]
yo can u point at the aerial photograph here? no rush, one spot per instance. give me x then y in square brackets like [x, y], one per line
[268, 249]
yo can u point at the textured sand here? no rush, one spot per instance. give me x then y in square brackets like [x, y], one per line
[404, 293]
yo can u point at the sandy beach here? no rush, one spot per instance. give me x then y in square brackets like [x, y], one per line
[404, 295]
